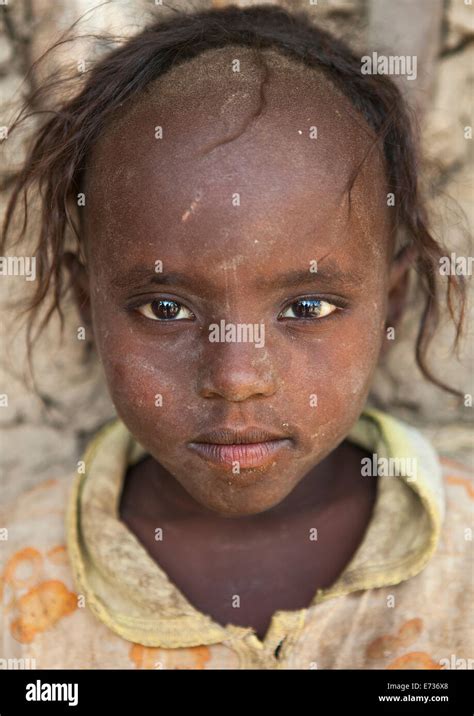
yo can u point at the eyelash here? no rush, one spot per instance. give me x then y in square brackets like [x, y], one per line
[335, 304]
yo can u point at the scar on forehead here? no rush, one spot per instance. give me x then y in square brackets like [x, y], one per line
[230, 264]
[193, 206]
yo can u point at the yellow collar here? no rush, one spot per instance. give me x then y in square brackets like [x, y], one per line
[133, 596]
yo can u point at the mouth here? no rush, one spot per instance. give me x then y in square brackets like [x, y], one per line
[249, 448]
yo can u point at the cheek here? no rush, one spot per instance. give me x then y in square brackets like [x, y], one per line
[330, 386]
[351, 367]
[148, 389]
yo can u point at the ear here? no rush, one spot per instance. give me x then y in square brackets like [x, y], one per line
[398, 285]
[80, 286]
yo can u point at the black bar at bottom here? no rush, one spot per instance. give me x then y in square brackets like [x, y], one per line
[89, 691]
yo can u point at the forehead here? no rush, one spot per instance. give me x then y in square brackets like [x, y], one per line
[234, 149]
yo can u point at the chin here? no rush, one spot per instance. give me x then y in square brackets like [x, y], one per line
[239, 508]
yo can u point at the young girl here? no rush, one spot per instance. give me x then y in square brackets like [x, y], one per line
[244, 212]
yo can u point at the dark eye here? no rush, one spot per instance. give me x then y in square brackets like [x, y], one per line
[308, 308]
[164, 309]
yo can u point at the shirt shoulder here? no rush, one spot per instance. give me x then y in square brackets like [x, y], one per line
[453, 558]
[36, 514]
[458, 482]
[33, 562]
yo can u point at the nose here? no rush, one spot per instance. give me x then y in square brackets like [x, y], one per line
[236, 372]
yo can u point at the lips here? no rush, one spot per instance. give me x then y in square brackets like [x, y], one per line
[252, 447]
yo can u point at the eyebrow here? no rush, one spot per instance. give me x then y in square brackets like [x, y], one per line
[143, 274]
[330, 272]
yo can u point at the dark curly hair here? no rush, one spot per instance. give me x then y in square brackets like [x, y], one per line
[55, 163]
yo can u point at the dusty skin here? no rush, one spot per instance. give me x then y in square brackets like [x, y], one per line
[173, 200]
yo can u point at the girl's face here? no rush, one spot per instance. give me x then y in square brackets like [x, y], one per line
[242, 220]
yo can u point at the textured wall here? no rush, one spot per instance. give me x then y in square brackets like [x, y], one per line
[43, 434]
